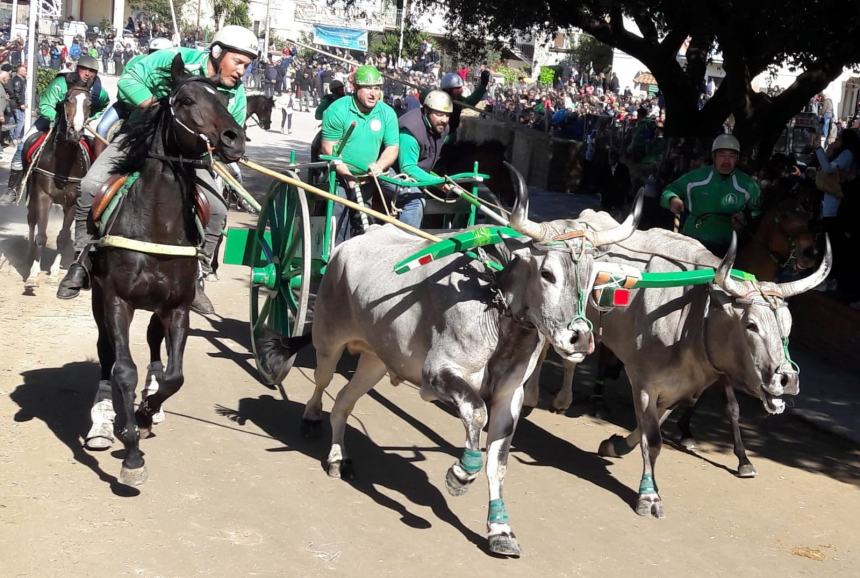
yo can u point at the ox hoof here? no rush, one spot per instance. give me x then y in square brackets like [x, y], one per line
[747, 471]
[311, 429]
[341, 469]
[688, 444]
[650, 505]
[133, 477]
[559, 410]
[613, 447]
[454, 485]
[504, 545]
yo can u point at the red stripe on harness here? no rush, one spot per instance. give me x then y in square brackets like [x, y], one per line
[34, 147]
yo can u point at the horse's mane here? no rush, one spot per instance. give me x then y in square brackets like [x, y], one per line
[138, 132]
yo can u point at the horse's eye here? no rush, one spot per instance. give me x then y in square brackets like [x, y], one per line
[186, 101]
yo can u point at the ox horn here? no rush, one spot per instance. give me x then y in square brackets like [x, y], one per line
[520, 215]
[802, 285]
[625, 229]
[723, 276]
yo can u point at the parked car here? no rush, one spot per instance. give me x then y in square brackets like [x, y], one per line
[800, 137]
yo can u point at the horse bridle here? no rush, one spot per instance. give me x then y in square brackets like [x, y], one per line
[202, 163]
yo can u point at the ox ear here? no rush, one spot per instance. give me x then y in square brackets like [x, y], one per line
[512, 247]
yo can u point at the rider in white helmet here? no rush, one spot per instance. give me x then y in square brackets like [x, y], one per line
[143, 84]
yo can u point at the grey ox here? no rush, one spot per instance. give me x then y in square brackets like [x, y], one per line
[466, 337]
[676, 342]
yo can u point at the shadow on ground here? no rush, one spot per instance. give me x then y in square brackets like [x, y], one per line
[61, 397]
[783, 438]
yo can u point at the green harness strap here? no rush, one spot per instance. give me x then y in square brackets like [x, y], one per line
[460, 243]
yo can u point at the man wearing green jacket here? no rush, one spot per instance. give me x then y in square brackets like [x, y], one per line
[87, 71]
[718, 198]
[422, 135]
[144, 84]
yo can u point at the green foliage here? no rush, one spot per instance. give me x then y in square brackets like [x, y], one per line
[511, 75]
[591, 52]
[159, 10]
[232, 11]
[547, 75]
[389, 42]
[44, 76]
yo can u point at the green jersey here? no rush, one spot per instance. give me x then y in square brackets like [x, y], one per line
[55, 93]
[373, 131]
[148, 76]
[711, 199]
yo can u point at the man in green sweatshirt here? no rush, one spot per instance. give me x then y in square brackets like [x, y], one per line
[718, 199]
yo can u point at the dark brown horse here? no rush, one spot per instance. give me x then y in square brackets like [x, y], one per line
[165, 145]
[260, 106]
[56, 177]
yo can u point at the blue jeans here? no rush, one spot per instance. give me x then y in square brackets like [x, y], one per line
[410, 201]
[19, 124]
[825, 126]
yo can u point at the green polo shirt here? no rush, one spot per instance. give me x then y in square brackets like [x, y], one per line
[373, 131]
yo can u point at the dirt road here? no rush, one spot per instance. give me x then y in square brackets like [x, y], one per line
[235, 490]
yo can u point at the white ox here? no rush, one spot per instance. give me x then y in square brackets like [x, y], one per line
[466, 336]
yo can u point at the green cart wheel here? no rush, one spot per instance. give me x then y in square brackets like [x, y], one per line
[281, 272]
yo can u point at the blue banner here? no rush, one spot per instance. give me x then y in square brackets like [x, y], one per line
[341, 37]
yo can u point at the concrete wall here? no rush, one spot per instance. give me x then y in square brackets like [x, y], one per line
[546, 162]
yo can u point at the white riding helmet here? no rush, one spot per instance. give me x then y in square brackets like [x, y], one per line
[451, 80]
[160, 44]
[234, 39]
[439, 100]
[726, 142]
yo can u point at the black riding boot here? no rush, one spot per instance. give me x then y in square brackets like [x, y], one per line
[77, 278]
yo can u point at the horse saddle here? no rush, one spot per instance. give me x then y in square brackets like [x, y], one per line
[32, 146]
[107, 195]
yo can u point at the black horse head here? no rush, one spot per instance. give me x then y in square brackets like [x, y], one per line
[200, 110]
[75, 109]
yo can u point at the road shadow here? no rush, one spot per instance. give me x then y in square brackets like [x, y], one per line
[61, 397]
[376, 466]
[781, 438]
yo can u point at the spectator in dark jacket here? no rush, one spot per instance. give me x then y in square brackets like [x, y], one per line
[18, 99]
[614, 185]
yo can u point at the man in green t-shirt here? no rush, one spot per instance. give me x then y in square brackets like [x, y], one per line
[144, 84]
[375, 130]
[718, 198]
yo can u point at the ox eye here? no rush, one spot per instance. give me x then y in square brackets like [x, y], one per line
[547, 276]
[752, 327]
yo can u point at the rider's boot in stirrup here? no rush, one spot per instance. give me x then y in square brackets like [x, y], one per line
[14, 181]
[77, 278]
[201, 303]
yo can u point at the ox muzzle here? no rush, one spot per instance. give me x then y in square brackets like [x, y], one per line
[574, 342]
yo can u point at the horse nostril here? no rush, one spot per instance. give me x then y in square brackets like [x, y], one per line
[783, 380]
[228, 137]
[574, 337]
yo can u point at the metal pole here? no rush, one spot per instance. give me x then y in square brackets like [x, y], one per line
[35, 5]
[177, 39]
[14, 20]
[403, 12]
[266, 41]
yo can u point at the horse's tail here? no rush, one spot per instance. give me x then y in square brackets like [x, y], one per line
[275, 353]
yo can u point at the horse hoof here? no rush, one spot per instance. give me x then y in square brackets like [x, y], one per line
[688, 444]
[650, 505]
[98, 443]
[453, 484]
[133, 477]
[311, 429]
[747, 471]
[504, 545]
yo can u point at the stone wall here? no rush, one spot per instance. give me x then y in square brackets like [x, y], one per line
[546, 162]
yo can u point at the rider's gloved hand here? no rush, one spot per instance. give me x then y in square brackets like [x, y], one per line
[485, 78]
[676, 205]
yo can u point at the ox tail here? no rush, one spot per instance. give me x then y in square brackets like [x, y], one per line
[276, 354]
